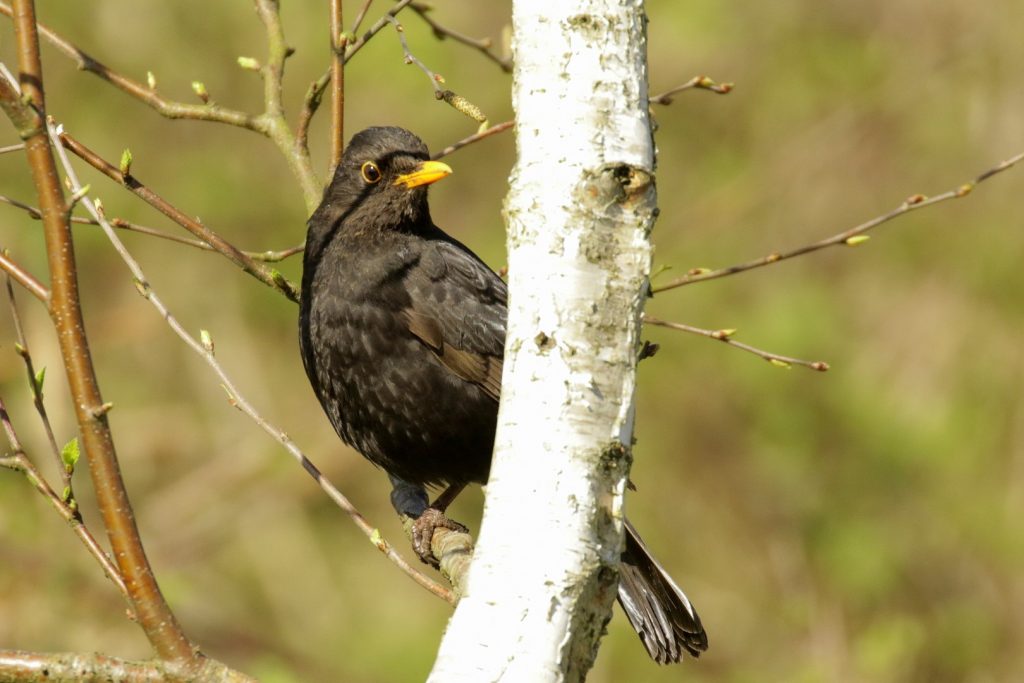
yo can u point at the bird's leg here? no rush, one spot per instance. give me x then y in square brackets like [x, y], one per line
[411, 500]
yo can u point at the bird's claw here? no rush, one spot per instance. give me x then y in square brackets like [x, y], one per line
[423, 533]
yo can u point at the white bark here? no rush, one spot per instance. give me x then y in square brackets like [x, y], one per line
[579, 211]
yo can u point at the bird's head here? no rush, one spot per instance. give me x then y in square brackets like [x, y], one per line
[381, 181]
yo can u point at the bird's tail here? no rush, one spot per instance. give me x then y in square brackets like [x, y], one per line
[659, 611]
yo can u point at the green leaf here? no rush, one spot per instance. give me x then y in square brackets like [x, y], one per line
[39, 379]
[125, 166]
[69, 455]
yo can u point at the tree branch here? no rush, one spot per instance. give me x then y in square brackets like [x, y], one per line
[269, 277]
[18, 666]
[698, 82]
[266, 256]
[36, 385]
[154, 615]
[143, 93]
[482, 45]
[20, 462]
[457, 101]
[24, 278]
[475, 137]
[851, 238]
[726, 337]
[338, 42]
[273, 119]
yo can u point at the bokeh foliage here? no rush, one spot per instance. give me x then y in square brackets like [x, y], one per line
[864, 524]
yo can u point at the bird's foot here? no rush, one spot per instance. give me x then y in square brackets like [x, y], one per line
[423, 533]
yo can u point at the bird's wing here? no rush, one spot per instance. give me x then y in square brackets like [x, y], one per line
[458, 310]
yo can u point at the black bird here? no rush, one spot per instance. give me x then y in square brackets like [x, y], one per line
[402, 333]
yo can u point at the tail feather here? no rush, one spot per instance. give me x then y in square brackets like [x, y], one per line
[659, 611]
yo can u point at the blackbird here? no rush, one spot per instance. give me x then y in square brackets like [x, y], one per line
[402, 334]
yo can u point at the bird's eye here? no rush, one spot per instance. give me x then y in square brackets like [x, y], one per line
[371, 173]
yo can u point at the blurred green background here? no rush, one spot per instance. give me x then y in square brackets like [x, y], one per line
[866, 524]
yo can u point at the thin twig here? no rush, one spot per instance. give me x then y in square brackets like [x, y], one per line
[310, 105]
[270, 123]
[374, 29]
[236, 399]
[143, 93]
[475, 137]
[37, 389]
[12, 148]
[267, 256]
[315, 92]
[20, 462]
[852, 237]
[435, 79]
[360, 15]
[726, 336]
[697, 82]
[24, 278]
[457, 101]
[483, 45]
[269, 277]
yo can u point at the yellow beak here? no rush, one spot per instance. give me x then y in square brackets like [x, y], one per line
[426, 173]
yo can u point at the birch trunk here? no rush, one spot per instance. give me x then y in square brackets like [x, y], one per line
[579, 212]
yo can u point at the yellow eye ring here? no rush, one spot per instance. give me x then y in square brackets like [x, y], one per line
[371, 173]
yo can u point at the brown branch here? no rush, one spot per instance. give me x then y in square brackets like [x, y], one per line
[314, 95]
[361, 15]
[483, 45]
[205, 350]
[19, 666]
[457, 101]
[475, 137]
[222, 246]
[154, 615]
[374, 29]
[266, 256]
[24, 278]
[310, 105]
[697, 82]
[273, 119]
[726, 336]
[20, 462]
[338, 42]
[852, 237]
[143, 93]
[21, 346]
[270, 123]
